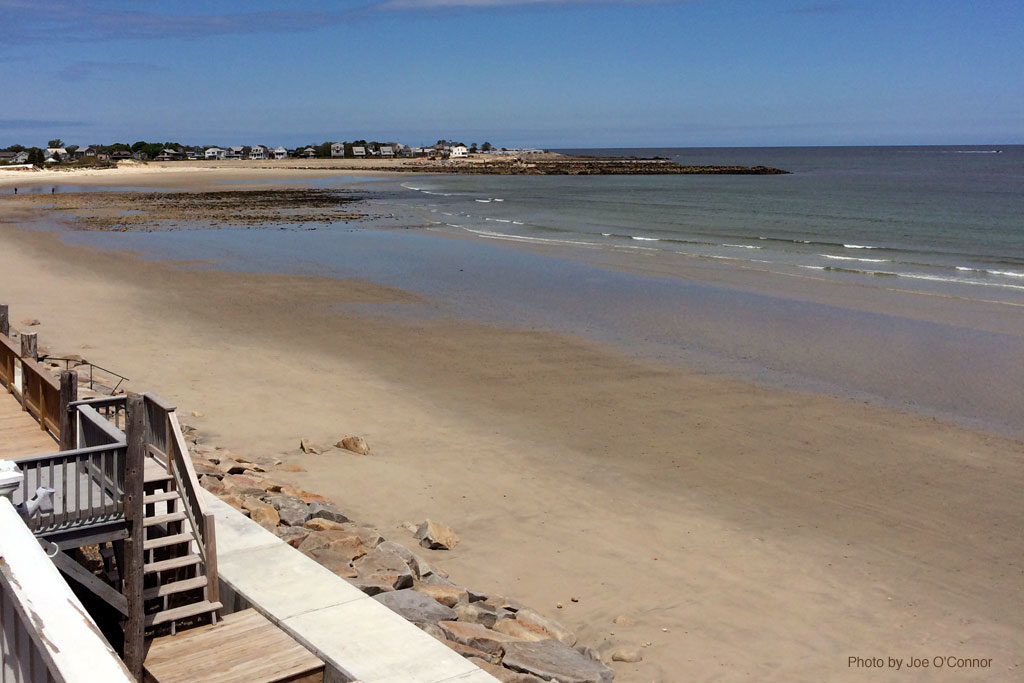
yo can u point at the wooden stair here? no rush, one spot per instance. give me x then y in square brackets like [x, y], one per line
[243, 647]
[175, 585]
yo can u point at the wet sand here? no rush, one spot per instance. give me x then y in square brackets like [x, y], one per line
[751, 533]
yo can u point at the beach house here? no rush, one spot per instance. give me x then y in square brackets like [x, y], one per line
[308, 153]
[170, 155]
[337, 150]
[257, 152]
[458, 152]
[279, 153]
[387, 151]
[215, 153]
[359, 152]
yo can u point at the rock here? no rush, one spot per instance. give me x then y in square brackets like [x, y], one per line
[304, 496]
[499, 602]
[243, 485]
[205, 468]
[557, 631]
[623, 620]
[504, 675]
[356, 444]
[234, 501]
[404, 553]
[260, 512]
[410, 527]
[318, 508]
[468, 651]
[292, 467]
[553, 661]
[477, 636]
[514, 627]
[30, 322]
[379, 567]
[627, 654]
[449, 596]
[227, 466]
[436, 536]
[292, 511]
[196, 413]
[433, 630]
[308, 446]
[320, 524]
[415, 607]
[436, 580]
[211, 484]
[481, 613]
[292, 535]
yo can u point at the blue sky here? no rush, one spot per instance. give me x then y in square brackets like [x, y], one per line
[551, 73]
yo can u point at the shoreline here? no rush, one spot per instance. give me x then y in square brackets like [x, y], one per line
[787, 534]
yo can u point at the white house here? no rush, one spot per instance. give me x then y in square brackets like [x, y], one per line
[54, 154]
[459, 152]
[21, 158]
[337, 149]
[235, 152]
[279, 153]
[359, 151]
[257, 152]
[215, 153]
[309, 153]
[387, 151]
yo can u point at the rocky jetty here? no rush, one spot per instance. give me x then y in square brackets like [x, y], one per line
[505, 638]
[556, 164]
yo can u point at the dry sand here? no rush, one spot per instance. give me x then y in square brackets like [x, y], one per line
[751, 533]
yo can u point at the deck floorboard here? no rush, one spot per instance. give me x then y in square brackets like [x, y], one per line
[20, 435]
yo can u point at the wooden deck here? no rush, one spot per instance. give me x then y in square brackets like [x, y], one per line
[20, 435]
[242, 648]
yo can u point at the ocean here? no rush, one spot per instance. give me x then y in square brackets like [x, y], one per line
[890, 275]
[947, 219]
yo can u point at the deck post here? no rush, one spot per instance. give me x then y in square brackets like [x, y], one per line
[134, 624]
[29, 345]
[5, 321]
[68, 423]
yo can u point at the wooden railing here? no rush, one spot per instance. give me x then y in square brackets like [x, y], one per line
[40, 395]
[8, 356]
[88, 481]
[45, 633]
[166, 443]
[34, 387]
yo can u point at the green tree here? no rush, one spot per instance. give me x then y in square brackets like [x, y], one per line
[55, 143]
[140, 146]
[472, 148]
[323, 150]
[35, 156]
[486, 147]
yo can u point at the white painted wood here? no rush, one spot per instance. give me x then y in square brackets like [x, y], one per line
[68, 644]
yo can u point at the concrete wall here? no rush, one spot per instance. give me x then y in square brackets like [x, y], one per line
[357, 637]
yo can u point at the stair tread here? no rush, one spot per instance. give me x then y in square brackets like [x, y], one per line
[162, 519]
[174, 587]
[165, 541]
[173, 563]
[182, 612]
[154, 475]
[160, 497]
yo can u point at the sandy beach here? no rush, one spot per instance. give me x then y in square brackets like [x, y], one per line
[748, 533]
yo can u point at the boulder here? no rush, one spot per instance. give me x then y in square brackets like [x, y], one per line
[292, 511]
[481, 613]
[356, 444]
[432, 630]
[477, 636]
[304, 496]
[260, 512]
[557, 631]
[502, 674]
[553, 661]
[292, 535]
[308, 446]
[386, 569]
[211, 484]
[467, 651]
[323, 510]
[514, 627]
[415, 606]
[436, 536]
[243, 485]
[205, 468]
[449, 596]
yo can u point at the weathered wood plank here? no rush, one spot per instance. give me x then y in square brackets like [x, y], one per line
[134, 624]
[248, 649]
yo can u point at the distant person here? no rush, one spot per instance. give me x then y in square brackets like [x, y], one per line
[15, 190]
[52, 190]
